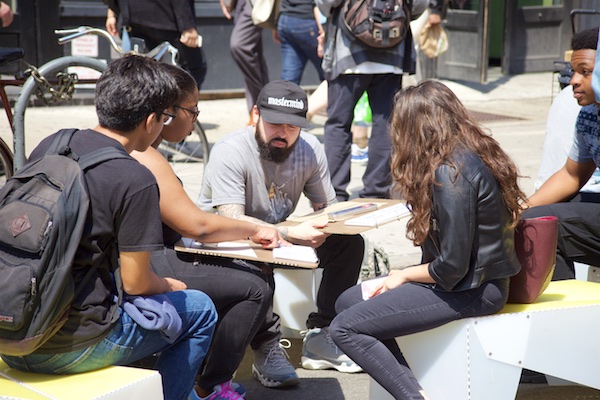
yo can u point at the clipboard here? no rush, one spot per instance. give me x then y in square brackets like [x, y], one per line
[240, 249]
[339, 227]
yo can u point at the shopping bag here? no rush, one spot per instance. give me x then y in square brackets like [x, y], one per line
[433, 40]
[265, 13]
[535, 245]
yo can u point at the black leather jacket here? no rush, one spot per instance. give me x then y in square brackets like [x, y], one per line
[470, 240]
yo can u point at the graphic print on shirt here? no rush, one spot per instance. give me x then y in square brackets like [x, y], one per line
[280, 204]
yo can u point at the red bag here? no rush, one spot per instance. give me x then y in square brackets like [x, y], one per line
[535, 244]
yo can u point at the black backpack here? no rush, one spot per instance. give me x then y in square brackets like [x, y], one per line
[43, 211]
[376, 23]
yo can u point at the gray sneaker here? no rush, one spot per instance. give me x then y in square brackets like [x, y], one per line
[271, 367]
[319, 352]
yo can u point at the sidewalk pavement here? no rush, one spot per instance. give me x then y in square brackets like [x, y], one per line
[513, 108]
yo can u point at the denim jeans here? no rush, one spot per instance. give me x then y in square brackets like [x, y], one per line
[128, 342]
[365, 330]
[298, 45]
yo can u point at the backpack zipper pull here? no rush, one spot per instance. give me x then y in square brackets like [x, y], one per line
[33, 287]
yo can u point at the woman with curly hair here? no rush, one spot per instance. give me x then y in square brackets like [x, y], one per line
[462, 190]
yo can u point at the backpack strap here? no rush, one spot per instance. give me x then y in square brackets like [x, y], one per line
[408, 44]
[60, 143]
[86, 162]
[99, 156]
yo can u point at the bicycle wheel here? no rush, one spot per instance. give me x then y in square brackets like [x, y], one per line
[188, 158]
[6, 162]
[56, 67]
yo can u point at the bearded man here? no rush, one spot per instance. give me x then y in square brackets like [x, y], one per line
[258, 174]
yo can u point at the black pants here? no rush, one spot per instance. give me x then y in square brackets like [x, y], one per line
[240, 294]
[190, 59]
[340, 257]
[343, 93]
[578, 232]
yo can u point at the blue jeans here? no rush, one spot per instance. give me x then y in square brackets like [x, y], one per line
[298, 45]
[365, 330]
[128, 342]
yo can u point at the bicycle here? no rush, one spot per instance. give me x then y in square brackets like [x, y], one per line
[53, 83]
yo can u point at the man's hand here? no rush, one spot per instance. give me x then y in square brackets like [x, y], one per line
[268, 237]
[189, 37]
[5, 14]
[307, 233]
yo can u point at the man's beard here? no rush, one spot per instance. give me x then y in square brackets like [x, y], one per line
[272, 153]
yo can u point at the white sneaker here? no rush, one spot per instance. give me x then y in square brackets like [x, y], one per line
[271, 367]
[359, 155]
[319, 352]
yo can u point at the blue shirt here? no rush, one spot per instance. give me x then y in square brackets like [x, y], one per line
[586, 142]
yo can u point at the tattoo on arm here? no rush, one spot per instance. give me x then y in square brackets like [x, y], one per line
[236, 211]
[283, 231]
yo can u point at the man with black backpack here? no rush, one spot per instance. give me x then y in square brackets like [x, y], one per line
[110, 255]
[368, 47]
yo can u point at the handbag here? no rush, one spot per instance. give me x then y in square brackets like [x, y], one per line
[265, 13]
[535, 245]
[433, 40]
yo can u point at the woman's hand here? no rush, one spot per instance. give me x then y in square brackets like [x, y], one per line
[394, 279]
[175, 284]
[268, 237]
[397, 277]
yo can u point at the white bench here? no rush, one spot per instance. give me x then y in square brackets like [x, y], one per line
[481, 358]
[112, 383]
[295, 297]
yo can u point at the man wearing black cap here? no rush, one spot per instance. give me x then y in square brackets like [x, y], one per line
[258, 174]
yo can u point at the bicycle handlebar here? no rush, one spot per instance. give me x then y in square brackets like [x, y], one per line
[157, 53]
[86, 30]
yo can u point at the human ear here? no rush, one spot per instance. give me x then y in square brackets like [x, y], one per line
[255, 115]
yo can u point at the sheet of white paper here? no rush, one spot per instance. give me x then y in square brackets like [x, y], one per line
[235, 248]
[295, 252]
[367, 287]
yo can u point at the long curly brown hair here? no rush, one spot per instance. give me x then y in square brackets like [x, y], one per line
[428, 122]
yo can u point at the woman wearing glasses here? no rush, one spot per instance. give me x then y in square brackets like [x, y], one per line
[241, 298]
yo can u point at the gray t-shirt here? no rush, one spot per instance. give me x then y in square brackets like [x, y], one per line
[269, 191]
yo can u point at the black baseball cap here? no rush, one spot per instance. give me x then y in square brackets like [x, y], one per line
[283, 102]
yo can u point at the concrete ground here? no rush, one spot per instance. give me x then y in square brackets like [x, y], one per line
[513, 108]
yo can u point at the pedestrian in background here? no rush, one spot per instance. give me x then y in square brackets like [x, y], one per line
[157, 21]
[246, 48]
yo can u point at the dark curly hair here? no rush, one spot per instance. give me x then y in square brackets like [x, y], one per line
[587, 39]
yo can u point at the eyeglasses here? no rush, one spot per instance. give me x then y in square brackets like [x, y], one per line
[168, 118]
[193, 113]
